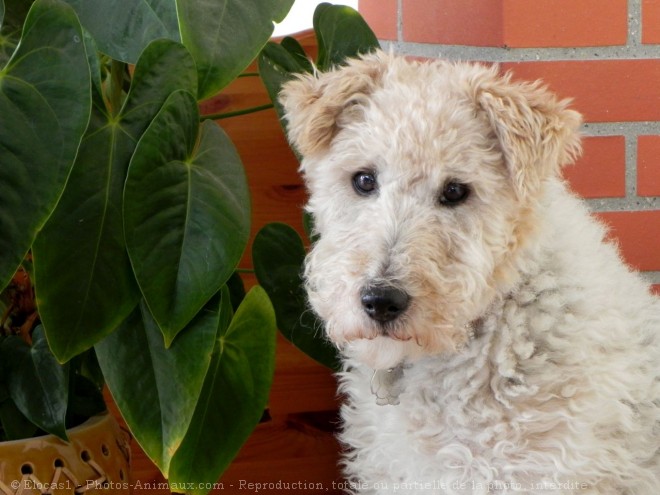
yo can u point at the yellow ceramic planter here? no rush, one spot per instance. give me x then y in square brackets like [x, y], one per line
[95, 460]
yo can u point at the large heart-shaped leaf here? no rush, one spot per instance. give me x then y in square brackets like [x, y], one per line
[85, 284]
[278, 255]
[341, 33]
[234, 395]
[123, 28]
[224, 36]
[157, 389]
[44, 109]
[186, 212]
[37, 383]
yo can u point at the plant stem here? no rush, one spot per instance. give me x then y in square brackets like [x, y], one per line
[235, 113]
[249, 74]
[116, 79]
[245, 270]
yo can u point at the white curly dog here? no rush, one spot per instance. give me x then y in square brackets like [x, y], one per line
[493, 340]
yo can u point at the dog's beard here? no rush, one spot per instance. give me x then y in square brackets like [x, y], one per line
[381, 353]
[385, 352]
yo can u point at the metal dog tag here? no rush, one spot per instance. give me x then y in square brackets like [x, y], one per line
[386, 385]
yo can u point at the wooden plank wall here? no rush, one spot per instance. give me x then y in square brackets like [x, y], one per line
[296, 443]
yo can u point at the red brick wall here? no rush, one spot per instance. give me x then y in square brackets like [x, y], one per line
[603, 54]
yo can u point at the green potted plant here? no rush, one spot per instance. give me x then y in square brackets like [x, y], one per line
[128, 212]
[124, 214]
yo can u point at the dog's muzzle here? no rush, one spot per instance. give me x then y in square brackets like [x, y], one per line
[384, 303]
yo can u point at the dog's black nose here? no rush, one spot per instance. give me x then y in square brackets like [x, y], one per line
[384, 304]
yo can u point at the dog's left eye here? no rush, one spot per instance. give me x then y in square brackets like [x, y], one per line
[454, 193]
[364, 183]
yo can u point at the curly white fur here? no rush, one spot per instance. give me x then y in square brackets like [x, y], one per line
[530, 352]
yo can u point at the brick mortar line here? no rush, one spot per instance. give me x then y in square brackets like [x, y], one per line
[631, 166]
[628, 204]
[501, 54]
[632, 129]
[634, 23]
[630, 174]
[652, 277]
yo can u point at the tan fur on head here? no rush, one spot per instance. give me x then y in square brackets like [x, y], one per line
[314, 103]
[537, 133]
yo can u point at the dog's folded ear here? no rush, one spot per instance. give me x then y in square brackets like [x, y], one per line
[537, 133]
[316, 105]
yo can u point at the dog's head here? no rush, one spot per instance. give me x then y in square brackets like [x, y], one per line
[423, 179]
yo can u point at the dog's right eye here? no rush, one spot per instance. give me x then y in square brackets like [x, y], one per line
[454, 193]
[364, 183]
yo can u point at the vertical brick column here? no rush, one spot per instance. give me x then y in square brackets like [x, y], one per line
[605, 55]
